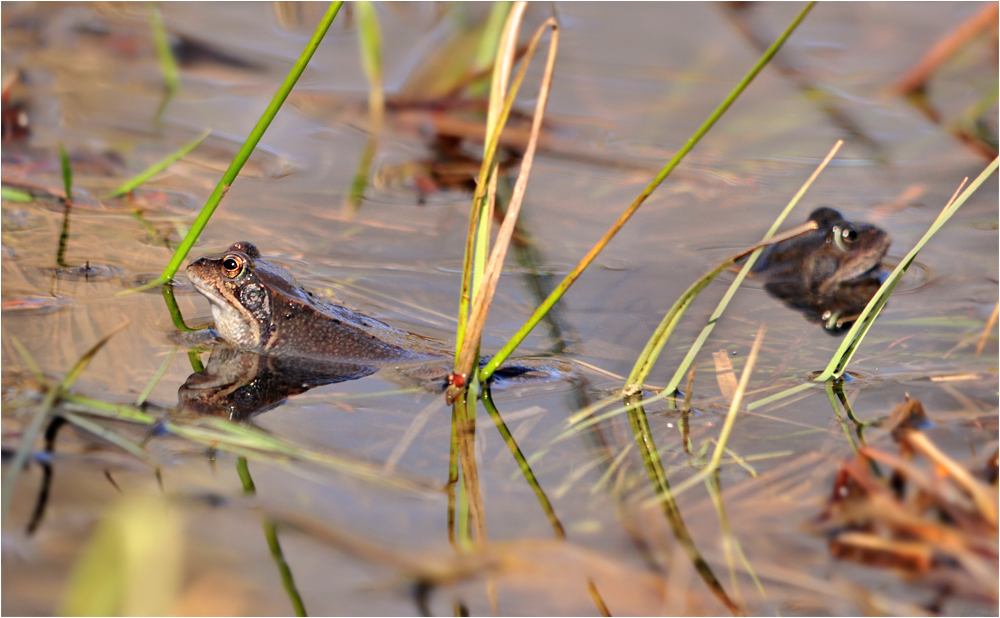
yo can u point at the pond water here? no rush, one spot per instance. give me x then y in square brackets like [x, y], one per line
[631, 84]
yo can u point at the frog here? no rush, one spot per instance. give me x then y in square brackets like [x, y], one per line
[828, 274]
[271, 326]
[259, 307]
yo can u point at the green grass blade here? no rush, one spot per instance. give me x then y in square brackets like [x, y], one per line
[41, 415]
[165, 56]
[522, 463]
[721, 307]
[67, 173]
[158, 167]
[370, 40]
[108, 435]
[271, 536]
[536, 317]
[156, 377]
[175, 311]
[96, 407]
[248, 146]
[15, 195]
[644, 364]
[486, 52]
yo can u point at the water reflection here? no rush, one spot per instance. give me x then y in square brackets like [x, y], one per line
[239, 384]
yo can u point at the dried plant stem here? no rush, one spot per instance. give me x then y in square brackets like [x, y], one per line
[484, 296]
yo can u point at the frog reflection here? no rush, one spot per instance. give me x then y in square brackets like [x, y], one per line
[238, 384]
[828, 274]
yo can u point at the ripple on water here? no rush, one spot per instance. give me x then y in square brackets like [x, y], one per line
[87, 272]
[549, 268]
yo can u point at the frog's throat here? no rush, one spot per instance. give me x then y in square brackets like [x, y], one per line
[232, 325]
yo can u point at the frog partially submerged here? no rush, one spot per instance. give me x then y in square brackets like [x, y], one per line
[830, 273]
[259, 307]
[283, 340]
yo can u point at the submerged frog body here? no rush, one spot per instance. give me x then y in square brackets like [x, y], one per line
[259, 307]
[830, 273]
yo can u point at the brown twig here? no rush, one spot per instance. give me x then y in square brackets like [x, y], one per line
[916, 78]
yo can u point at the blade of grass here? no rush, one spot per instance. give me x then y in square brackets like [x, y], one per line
[484, 296]
[476, 246]
[370, 40]
[67, 173]
[165, 56]
[175, 311]
[986, 330]
[727, 426]
[370, 44]
[721, 307]
[15, 195]
[644, 364]
[271, 535]
[536, 317]
[664, 495]
[41, 415]
[156, 377]
[522, 463]
[244, 153]
[110, 436]
[158, 167]
[488, 45]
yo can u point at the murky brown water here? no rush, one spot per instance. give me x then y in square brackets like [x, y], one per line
[632, 83]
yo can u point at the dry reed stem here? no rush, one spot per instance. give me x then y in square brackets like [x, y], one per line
[484, 295]
[986, 331]
[916, 78]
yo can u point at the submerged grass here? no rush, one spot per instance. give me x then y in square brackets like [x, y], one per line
[157, 167]
[523, 464]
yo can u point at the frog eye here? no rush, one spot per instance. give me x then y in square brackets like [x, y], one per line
[233, 266]
[844, 237]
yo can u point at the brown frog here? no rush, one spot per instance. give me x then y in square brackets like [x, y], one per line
[259, 307]
[830, 273]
